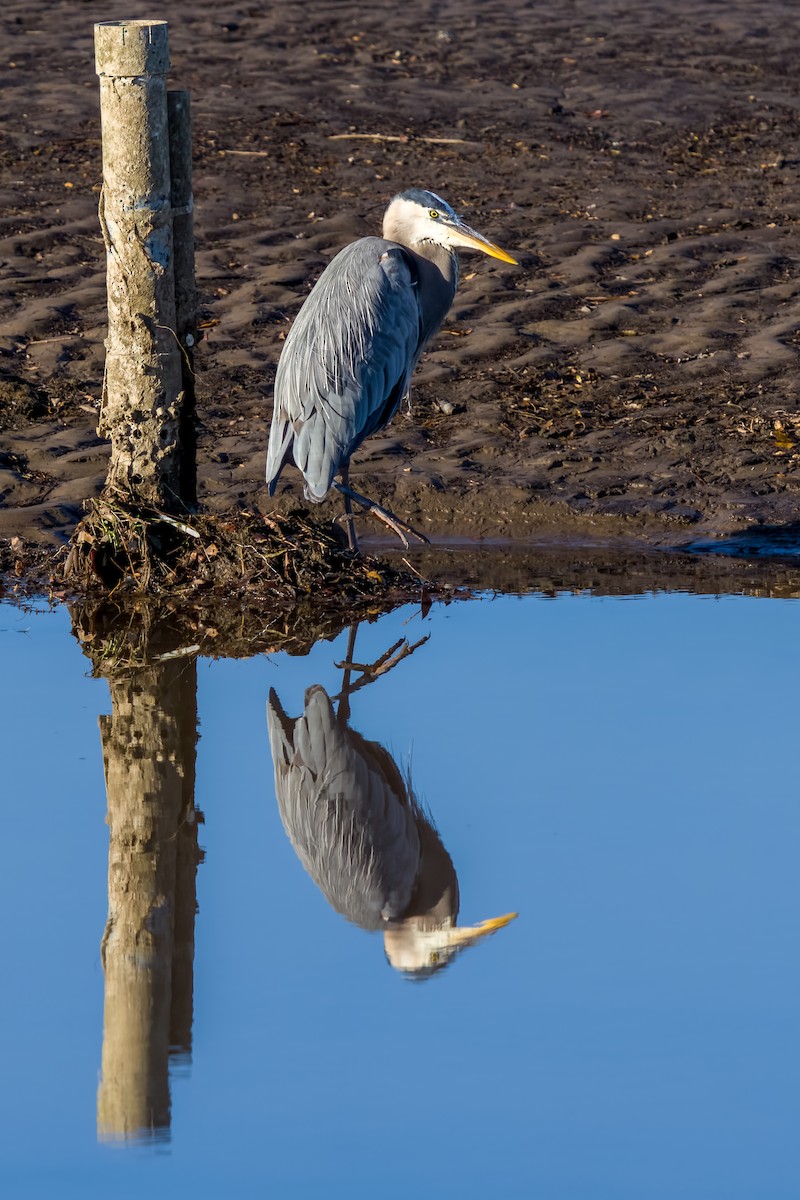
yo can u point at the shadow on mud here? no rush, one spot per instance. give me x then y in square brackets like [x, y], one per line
[759, 542]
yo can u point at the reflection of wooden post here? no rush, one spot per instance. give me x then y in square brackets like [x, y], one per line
[187, 857]
[143, 387]
[148, 752]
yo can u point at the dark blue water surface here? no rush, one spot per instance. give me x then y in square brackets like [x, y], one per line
[620, 772]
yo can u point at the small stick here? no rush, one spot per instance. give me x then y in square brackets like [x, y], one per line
[411, 567]
[43, 341]
[400, 137]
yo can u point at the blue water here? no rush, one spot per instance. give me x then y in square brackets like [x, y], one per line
[622, 773]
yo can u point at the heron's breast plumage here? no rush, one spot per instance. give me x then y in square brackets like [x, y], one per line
[347, 360]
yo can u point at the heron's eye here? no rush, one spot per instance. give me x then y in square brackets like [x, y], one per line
[433, 214]
[435, 955]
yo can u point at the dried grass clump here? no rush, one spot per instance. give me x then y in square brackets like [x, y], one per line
[280, 560]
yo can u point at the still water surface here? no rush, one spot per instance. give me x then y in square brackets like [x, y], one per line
[620, 772]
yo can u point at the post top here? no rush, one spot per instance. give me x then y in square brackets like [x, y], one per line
[128, 48]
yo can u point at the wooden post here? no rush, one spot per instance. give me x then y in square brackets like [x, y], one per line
[180, 169]
[143, 386]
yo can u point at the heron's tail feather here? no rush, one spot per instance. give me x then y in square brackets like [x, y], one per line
[279, 452]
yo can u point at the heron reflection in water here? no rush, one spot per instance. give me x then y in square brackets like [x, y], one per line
[361, 833]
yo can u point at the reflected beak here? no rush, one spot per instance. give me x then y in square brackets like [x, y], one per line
[469, 238]
[416, 951]
[462, 935]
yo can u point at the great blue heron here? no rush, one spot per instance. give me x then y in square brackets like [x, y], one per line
[348, 359]
[363, 837]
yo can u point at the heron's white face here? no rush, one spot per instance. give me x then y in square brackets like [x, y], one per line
[413, 949]
[410, 949]
[414, 218]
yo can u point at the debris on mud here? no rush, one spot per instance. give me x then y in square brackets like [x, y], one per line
[274, 559]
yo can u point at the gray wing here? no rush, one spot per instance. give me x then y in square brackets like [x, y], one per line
[347, 812]
[346, 363]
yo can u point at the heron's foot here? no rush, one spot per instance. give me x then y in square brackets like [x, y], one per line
[346, 519]
[369, 672]
[383, 514]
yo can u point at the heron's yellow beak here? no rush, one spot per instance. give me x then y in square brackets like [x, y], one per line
[462, 934]
[470, 239]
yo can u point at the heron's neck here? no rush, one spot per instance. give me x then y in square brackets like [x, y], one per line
[443, 257]
[438, 271]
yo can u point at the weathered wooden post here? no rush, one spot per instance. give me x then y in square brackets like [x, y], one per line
[180, 169]
[143, 389]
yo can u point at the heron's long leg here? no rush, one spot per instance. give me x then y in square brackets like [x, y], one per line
[352, 540]
[347, 667]
[399, 527]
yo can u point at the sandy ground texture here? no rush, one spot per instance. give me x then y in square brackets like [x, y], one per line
[636, 375]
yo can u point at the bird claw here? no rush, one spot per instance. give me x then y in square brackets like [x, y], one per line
[369, 672]
[394, 523]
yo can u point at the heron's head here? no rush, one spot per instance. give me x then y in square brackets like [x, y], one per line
[419, 952]
[417, 217]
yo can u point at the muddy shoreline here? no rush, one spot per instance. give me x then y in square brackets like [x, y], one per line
[634, 381]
